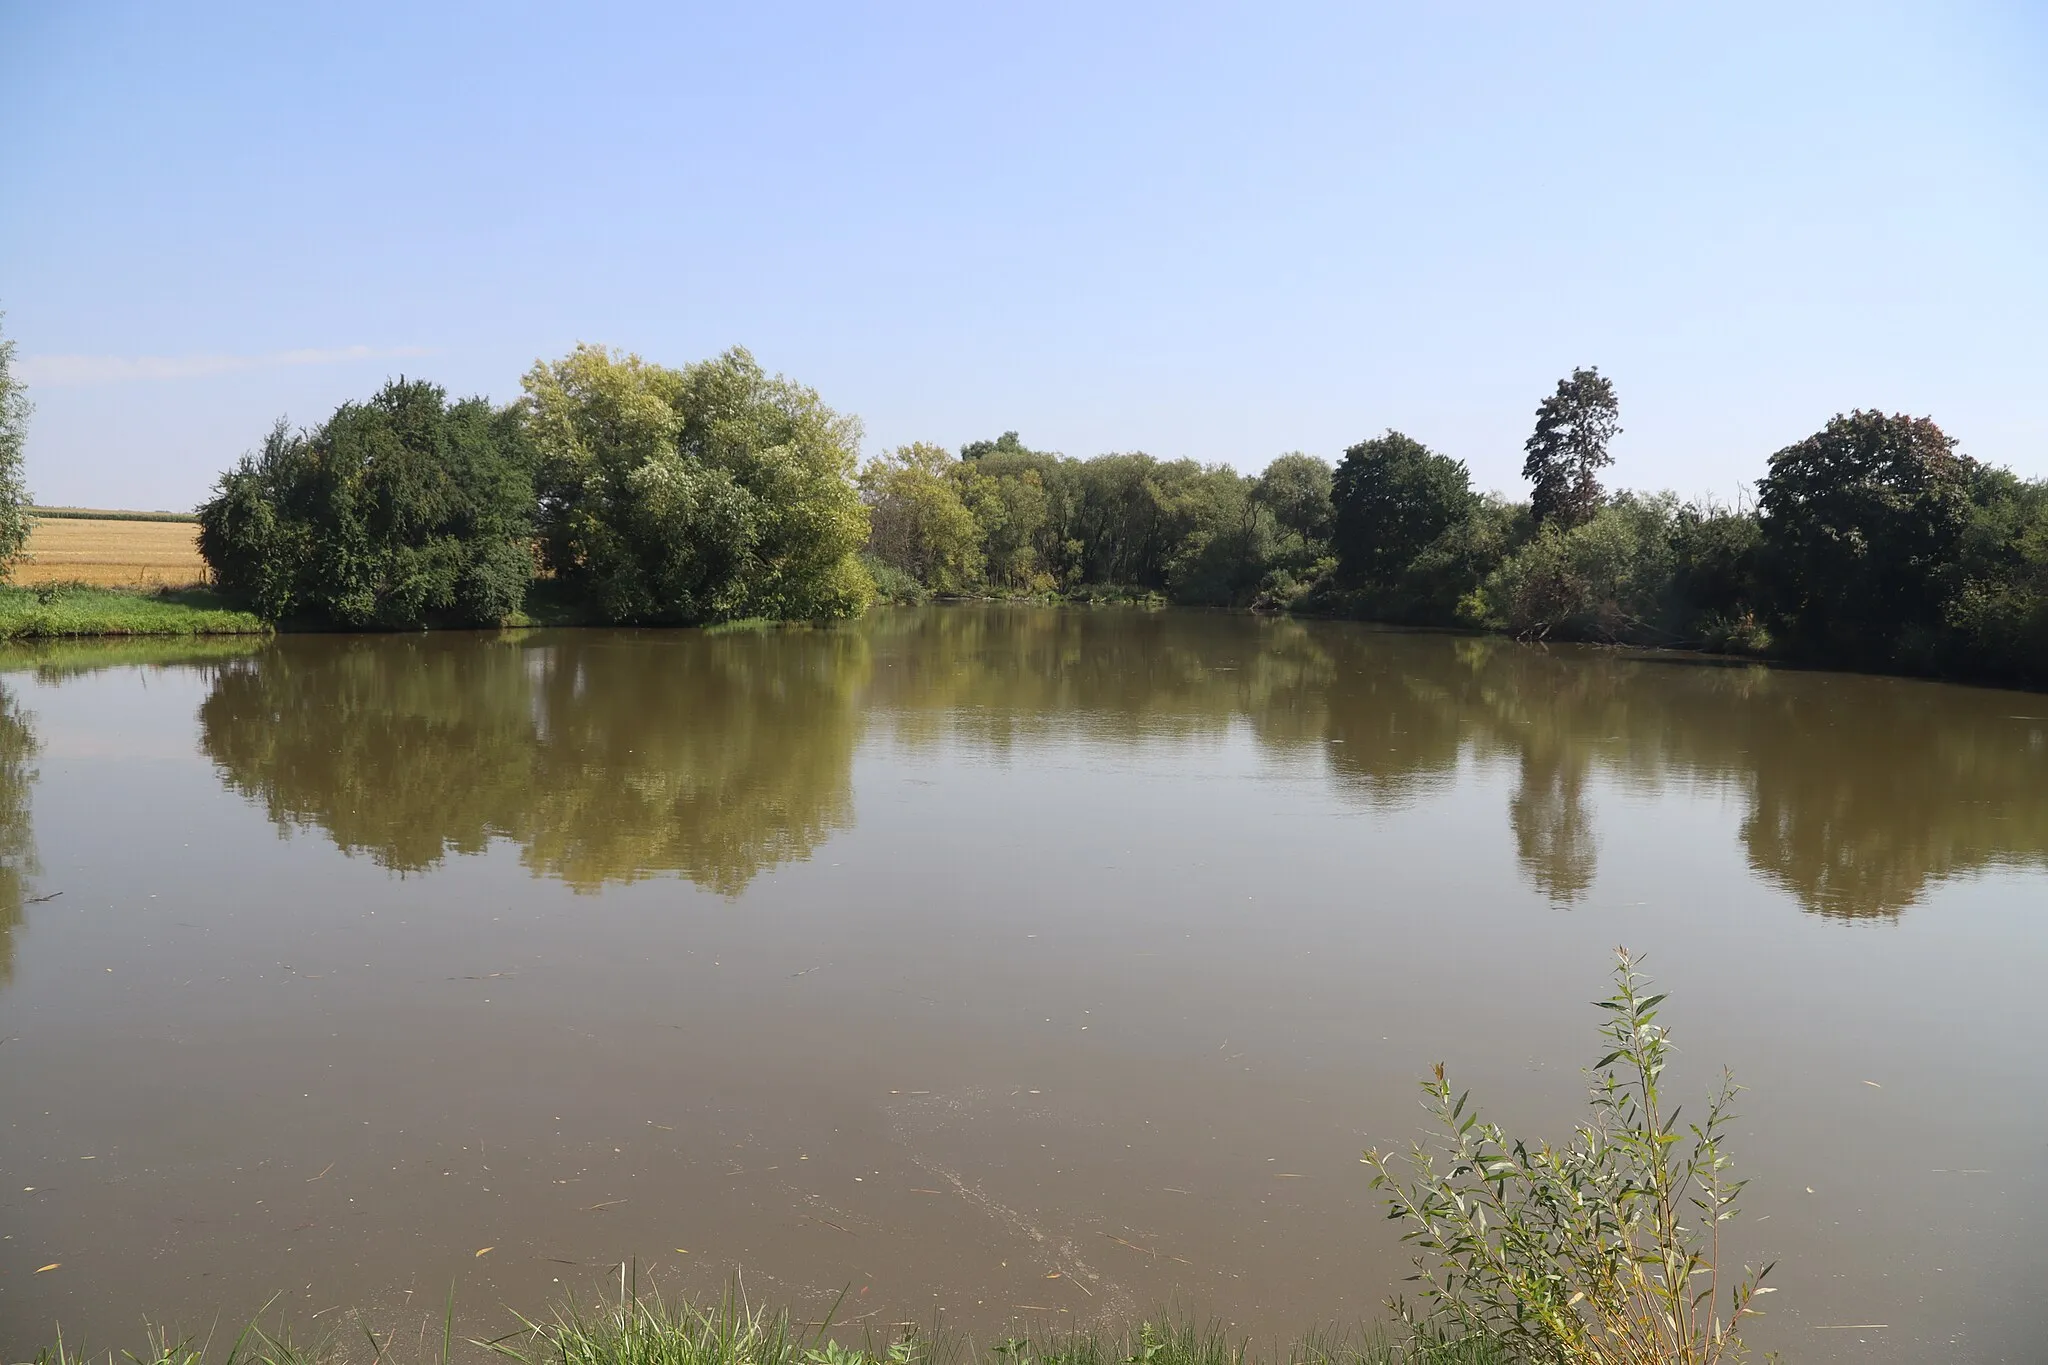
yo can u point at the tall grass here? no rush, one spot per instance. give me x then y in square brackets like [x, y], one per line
[644, 1329]
[67, 610]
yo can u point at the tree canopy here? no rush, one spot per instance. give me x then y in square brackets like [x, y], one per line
[652, 495]
[1568, 449]
[404, 510]
[1393, 497]
[1861, 523]
[14, 500]
[920, 525]
[695, 495]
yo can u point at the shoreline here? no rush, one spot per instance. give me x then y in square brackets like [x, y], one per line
[76, 612]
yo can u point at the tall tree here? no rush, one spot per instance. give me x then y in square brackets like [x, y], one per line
[1569, 448]
[1394, 497]
[1863, 524]
[14, 500]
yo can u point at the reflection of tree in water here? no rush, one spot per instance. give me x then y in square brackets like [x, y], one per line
[1004, 676]
[715, 756]
[1393, 722]
[1868, 790]
[404, 748]
[610, 756]
[17, 837]
[1862, 792]
[606, 757]
[1554, 838]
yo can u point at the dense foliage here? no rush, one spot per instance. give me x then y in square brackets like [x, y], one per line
[405, 510]
[715, 492]
[14, 498]
[1004, 518]
[1403, 516]
[1875, 544]
[1862, 523]
[695, 495]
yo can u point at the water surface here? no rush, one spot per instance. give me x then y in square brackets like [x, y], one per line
[983, 962]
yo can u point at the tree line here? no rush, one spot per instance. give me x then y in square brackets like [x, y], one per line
[643, 494]
[1873, 543]
[636, 493]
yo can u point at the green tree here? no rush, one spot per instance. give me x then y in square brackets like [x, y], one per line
[403, 511]
[1863, 524]
[1027, 503]
[1715, 595]
[1607, 579]
[1997, 618]
[918, 522]
[1116, 520]
[695, 495]
[1219, 537]
[1569, 448]
[1296, 488]
[1393, 499]
[1005, 444]
[1010, 507]
[14, 499]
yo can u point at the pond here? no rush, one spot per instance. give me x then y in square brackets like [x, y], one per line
[984, 964]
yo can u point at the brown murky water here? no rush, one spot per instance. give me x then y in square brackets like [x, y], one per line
[985, 963]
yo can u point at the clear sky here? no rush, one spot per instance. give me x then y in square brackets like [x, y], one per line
[1216, 231]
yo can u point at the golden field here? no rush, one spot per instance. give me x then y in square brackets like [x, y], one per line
[113, 554]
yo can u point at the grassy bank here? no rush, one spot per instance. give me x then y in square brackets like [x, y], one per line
[644, 1330]
[68, 610]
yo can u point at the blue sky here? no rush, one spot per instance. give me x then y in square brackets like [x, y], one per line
[1216, 231]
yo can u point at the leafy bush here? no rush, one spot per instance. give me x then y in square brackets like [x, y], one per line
[403, 511]
[1604, 1250]
[696, 495]
[1606, 579]
[893, 585]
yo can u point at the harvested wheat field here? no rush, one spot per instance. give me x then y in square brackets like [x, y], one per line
[113, 554]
